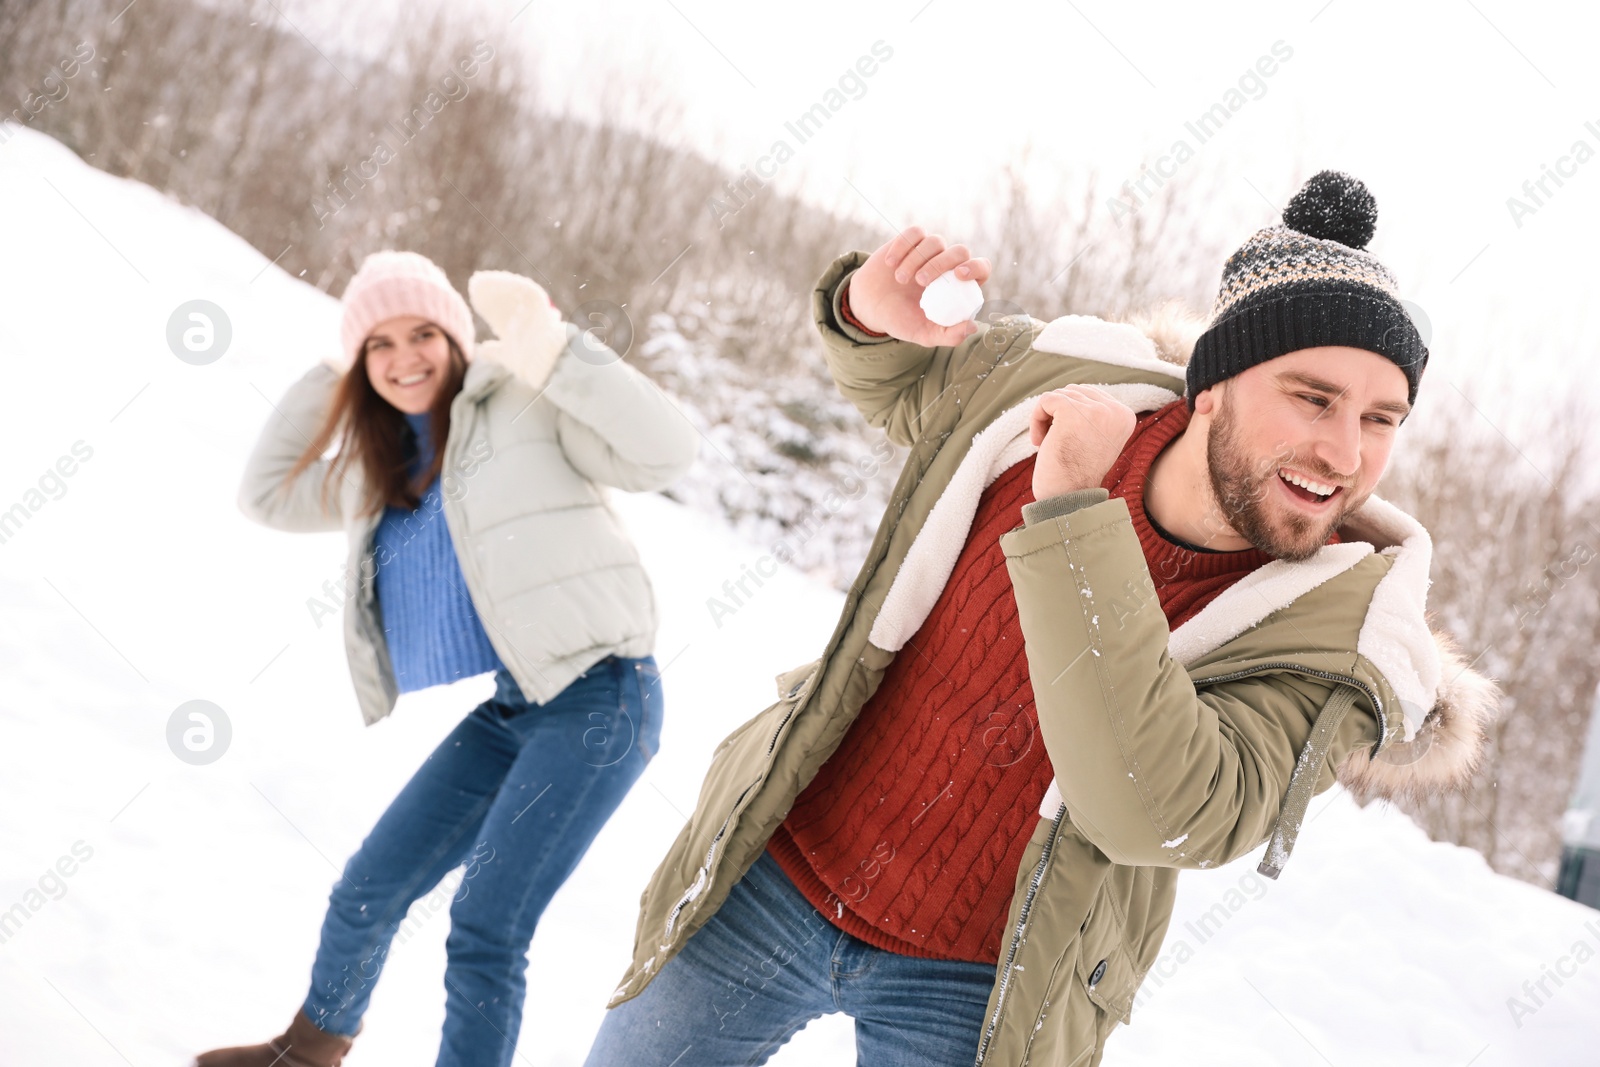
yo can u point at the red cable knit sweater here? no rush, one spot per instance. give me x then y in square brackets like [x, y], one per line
[911, 834]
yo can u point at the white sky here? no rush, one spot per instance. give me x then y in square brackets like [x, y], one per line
[1443, 108]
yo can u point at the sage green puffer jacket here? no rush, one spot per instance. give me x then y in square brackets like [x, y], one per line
[1172, 750]
[533, 442]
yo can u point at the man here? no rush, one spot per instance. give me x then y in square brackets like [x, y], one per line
[972, 849]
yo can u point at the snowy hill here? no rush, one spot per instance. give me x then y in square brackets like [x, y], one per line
[150, 908]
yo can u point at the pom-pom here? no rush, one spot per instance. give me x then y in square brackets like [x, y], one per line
[1333, 206]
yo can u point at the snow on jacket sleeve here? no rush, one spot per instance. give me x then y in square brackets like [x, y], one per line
[891, 382]
[264, 495]
[615, 426]
[1154, 771]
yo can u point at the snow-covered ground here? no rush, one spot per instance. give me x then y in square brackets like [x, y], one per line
[150, 907]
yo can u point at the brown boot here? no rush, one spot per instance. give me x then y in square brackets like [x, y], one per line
[302, 1045]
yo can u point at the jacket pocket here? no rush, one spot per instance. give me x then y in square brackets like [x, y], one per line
[1090, 990]
[1105, 967]
[1067, 1029]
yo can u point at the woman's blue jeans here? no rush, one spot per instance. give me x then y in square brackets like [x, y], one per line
[516, 792]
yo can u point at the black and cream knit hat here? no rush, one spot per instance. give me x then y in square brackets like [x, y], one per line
[1307, 283]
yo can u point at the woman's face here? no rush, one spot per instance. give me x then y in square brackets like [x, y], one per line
[407, 359]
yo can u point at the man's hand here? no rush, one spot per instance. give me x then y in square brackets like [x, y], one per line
[886, 293]
[1080, 431]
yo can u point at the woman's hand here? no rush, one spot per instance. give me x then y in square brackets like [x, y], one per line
[510, 303]
[886, 293]
[529, 333]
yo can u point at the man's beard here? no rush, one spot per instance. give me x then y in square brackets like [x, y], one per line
[1242, 487]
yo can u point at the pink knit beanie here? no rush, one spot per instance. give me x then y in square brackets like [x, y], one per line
[390, 284]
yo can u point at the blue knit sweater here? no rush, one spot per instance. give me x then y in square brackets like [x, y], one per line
[433, 631]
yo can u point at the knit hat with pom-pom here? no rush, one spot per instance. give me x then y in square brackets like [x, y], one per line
[390, 284]
[1307, 283]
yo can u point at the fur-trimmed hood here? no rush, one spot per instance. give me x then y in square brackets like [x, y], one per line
[1432, 741]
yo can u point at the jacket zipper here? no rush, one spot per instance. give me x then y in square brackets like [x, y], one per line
[1044, 855]
[703, 876]
[1016, 933]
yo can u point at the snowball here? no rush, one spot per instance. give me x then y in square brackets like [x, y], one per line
[948, 300]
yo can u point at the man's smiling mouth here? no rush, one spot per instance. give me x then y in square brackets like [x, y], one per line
[1306, 489]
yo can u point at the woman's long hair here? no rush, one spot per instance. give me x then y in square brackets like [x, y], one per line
[372, 437]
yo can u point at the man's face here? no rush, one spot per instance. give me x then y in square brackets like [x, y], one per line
[1298, 442]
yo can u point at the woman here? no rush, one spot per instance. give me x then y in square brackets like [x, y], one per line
[494, 551]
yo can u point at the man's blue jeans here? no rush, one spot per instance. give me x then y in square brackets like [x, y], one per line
[766, 964]
[517, 792]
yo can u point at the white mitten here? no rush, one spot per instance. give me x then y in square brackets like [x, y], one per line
[529, 327]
